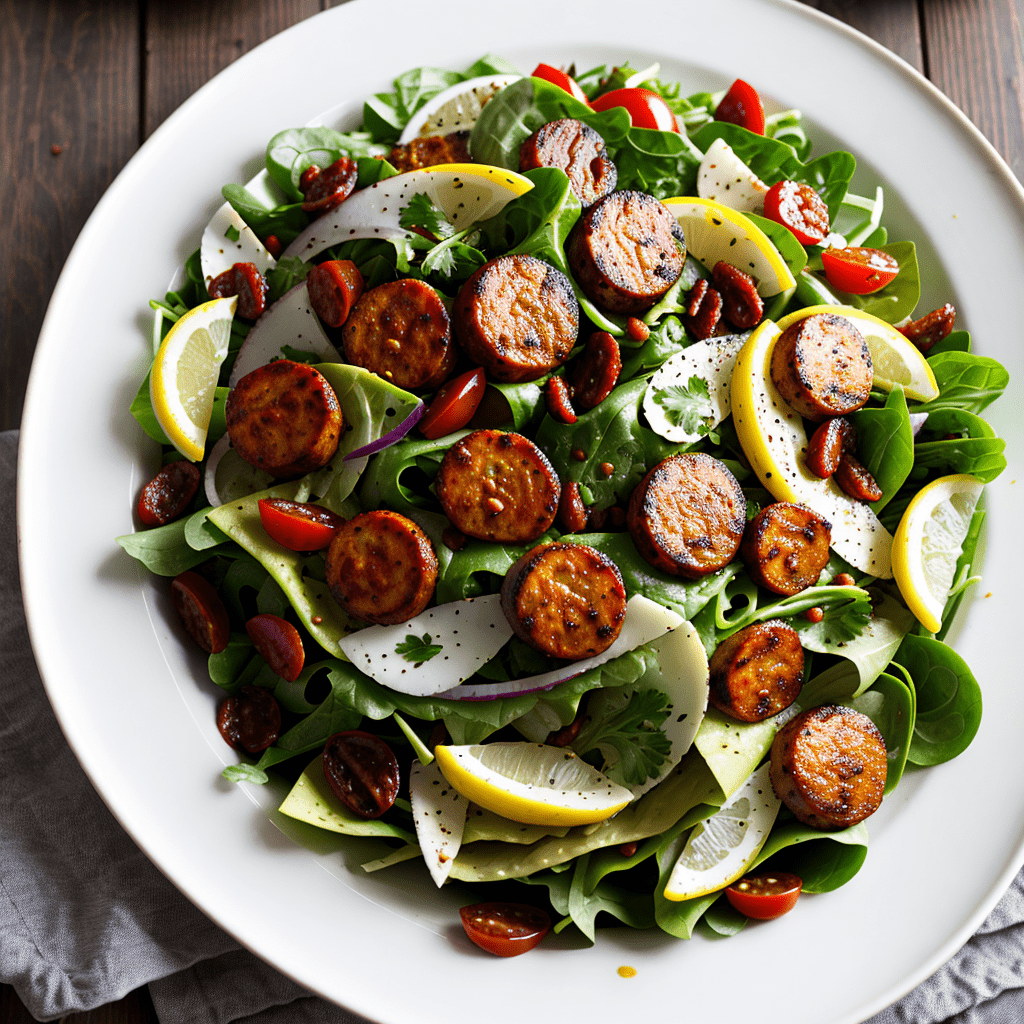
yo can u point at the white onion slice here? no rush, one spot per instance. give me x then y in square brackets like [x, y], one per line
[917, 421]
[218, 253]
[439, 814]
[289, 321]
[229, 477]
[645, 621]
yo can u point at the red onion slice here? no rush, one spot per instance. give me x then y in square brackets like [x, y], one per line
[392, 436]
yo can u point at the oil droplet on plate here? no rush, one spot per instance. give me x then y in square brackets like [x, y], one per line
[627, 972]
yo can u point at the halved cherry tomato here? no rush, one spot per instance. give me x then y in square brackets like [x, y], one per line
[646, 109]
[858, 270]
[505, 929]
[362, 771]
[201, 611]
[742, 105]
[798, 207]
[279, 643]
[765, 897]
[454, 405]
[168, 494]
[298, 526]
[562, 80]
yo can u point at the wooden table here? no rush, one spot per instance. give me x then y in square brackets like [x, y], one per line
[84, 84]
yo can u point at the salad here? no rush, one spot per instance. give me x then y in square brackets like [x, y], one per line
[749, 512]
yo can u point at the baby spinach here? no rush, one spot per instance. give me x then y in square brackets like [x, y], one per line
[942, 446]
[291, 151]
[948, 700]
[784, 240]
[287, 221]
[966, 381]
[885, 444]
[897, 299]
[890, 704]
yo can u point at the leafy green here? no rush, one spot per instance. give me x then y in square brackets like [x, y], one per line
[293, 150]
[418, 649]
[897, 299]
[885, 444]
[954, 440]
[287, 221]
[163, 550]
[966, 381]
[687, 405]
[891, 705]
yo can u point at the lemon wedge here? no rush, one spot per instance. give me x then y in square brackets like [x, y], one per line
[721, 848]
[465, 193]
[774, 441]
[929, 541]
[183, 379]
[456, 108]
[714, 232]
[532, 783]
[894, 358]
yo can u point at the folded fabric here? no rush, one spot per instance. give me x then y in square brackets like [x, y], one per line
[86, 918]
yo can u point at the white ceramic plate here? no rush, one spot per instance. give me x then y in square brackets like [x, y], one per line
[133, 700]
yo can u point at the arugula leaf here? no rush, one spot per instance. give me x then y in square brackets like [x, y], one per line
[626, 729]
[687, 405]
[417, 649]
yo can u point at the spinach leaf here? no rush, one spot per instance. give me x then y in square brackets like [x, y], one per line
[163, 550]
[664, 341]
[824, 863]
[784, 240]
[980, 453]
[963, 568]
[287, 222]
[885, 444]
[890, 704]
[948, 700]
[965, 381]
[955, 341]
[525, 403]
[291, 151]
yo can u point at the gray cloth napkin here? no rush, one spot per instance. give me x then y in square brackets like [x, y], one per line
[86, 918]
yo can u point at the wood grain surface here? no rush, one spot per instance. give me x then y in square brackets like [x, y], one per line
[83, 84]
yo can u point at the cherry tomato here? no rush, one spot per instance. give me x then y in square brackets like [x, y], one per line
[168, 494]
[362, 771]
[279, 643]
[298, 526]
[741, 105]
[505, 929]
[250, 719]
[201, 611]
[765, 897]
[798, 207]
[454, 405]
[646, 109]
[562, 80]
[858, 270]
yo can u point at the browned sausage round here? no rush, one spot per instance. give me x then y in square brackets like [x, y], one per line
[686, 517]
[827, 445]
[828, 766]
[626, 251]
[329, 188]
[517, 317]
[430, 151]
[168, 494]
[741, 305]
[400, 331]
[856, 480]
[578, 150]
[245, 281]
[498, 486]
[334, 287]
[381, 568]
[822, 367]
[595, 372]
[567, 600]
[284, 418]
[785, 547]
[757, 672]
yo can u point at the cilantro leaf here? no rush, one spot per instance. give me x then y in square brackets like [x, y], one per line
[625, 728]
[232, 234]
[417, 649]
[688, 405]
[423, 214]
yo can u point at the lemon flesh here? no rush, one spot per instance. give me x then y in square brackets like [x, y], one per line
[929, 541]
[183, 380]
[894, 359]
[773, 438]
[721, 848]
[715, 232]
[532, 783]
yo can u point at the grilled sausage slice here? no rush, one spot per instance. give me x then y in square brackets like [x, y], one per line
[517, 317]
[579, 151]
[757, 672]
[822, 366]
[626, 251]
[828, 766]
[567, 600]
[381, 568]
[786, 546]
[401, 332]
[687, 515]
[430, 151]
[284, 418]
[498, 486]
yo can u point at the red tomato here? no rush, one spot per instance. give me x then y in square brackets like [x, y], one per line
[798, 207]
[741, 105]
[453, 406]
[279, 643]
[297, 526]
[765, 897]
[562, 80]
[858, 270]
[646, 109]
[505, 929]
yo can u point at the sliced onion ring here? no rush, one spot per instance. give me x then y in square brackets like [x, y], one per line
[391, 437]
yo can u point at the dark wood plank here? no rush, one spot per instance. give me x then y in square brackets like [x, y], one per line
[974, 57]
[893, 23]
[189, 41]
[69, 120]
